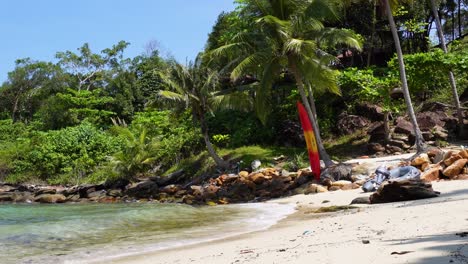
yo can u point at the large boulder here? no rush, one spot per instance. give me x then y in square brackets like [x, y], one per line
[406, 190]
[370, 111]
[376, 131]
[144, 189]
[428, 120]
[337, 172]
[431, 174]
[348, 124]
[50, 198]
[456, 168]
[403, 126]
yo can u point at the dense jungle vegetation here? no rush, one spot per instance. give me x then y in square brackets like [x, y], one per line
[96, 116]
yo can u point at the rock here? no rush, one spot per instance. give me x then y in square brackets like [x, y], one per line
[361, 200]
[440, 133]
[6, 197]
[96, 195]
[228, 178]
[340, 183]
[172, 178]
[400, 137]
[315, 188]
[337, 172]
[6, 188]
[50, 198]
[303, 177]
[348, 124]
[461, 177]
[370, 111]
[456, 168]
[171, 189]
[399, 143]
[403, 126]
[243, 174]
[421, 159]
[427, 135]
[428, 120]
[393, 149]
[425, 165]
[435, 155]
[350, 186]
[115, 193]
[144, 189]
[197, 191]
[259, 178]
[188, 199]
[375, 147]
[463, 153]
[406, 190]
[210, 192]
[453, 158]
[272, 172]
[376, 132]
[432, 174]
[46, 190]
[73, 198]
[334, 188]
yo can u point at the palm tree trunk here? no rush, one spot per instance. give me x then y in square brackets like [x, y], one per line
[374, 21]
[218, 160]
[314, 113]
[453, 84]
[420, 145]
[459, 20]
[300, 85]
[387, 135]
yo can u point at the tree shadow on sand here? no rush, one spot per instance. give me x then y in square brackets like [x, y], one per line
[453, 248]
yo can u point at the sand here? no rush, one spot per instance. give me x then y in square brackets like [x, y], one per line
[422, 231]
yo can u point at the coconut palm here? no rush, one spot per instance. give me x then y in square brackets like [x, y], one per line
[290, 36]
[192, 87]
[420, 144]
[453, 84]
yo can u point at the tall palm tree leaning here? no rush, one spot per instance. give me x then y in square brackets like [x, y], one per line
[453, 84]
[420, 144]
[289, 35]
[193, 87]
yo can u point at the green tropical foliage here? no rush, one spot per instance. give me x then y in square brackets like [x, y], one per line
[96, 116]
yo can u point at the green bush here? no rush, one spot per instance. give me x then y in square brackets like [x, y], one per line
[154, 140]
[427, 73]
[240, 129]
[63, 156]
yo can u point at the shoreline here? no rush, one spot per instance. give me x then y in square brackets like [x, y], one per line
[370, 232]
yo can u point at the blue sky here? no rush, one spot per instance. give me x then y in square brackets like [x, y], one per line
[39, 29]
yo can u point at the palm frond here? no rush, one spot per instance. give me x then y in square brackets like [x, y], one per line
[240, 101]
[322, 10]
[170, 95]
[252, 61]
[331, 37]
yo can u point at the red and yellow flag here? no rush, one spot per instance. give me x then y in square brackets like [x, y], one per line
[310, 141]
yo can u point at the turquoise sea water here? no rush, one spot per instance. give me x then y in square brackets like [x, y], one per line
[82, 233]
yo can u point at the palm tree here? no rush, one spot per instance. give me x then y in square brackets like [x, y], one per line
[138, 154]
[193, 87]
[420, 144]
[290, 36]
[453, 84]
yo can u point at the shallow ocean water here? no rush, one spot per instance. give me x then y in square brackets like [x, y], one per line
[82, 233]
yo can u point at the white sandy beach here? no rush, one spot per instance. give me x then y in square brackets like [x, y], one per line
[421, 231]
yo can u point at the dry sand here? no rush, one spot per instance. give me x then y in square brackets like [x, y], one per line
[421, 231]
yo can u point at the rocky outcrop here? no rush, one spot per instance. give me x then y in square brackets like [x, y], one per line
[348, 124]
[407, 190]
[437, 164]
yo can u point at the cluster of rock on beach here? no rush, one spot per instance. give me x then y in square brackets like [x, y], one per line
[246, 186]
